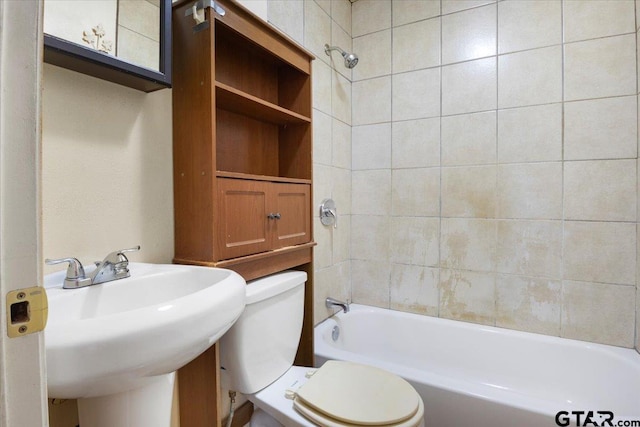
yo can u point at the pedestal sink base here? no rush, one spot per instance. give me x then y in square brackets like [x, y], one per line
[148, 406]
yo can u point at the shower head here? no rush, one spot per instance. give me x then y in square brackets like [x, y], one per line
[350, 59]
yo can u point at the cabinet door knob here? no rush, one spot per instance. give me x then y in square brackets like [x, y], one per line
[274, 215]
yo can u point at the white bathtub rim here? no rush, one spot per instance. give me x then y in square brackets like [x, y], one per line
[482, 391]
[627, 355]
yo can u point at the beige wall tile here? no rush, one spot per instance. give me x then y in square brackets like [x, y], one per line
[370, 283]
[322, 86]
[288, 16]
[375, 50]
[532, 248]
[322, 141]
[598, 312]
[416, 45]
[414, 289]
[597, 18]
[138, 49]
[416, 95]
[450, 6]
[469, 191]
[528, 304]
[372, 146]
[530, 190]
[317, 30]
[600, 67]
[600, 190]
[468, 244]
[341, 14]
[415, 143]
[371, 101]
[529, 78]
[372, 242]
[467, 296]
[638, 61]
[469, 87]
[528, 24]
[341, 144]
[257, 7]
[638, 320]
[415, 192]
[600, 252]
[322, 253]
[332, 282]
[415, 240]
[369, 16]
[325, 5]
[407, 11]
[341, 191]
[140, 17]
[469, 35]
[341, 239]
[339, 37]
[322, 183]
[469, 139]
[601, 129]
[530, 134]
[341, 97]
[371, 192]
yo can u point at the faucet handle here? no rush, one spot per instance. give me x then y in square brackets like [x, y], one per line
[133, 249]
[119, 256]
[75, 272]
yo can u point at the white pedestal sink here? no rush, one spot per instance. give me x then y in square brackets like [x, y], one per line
[116, 346]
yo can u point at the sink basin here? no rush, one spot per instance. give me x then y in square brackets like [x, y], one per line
[122, 335]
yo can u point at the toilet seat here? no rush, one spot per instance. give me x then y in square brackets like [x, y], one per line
[342, 394]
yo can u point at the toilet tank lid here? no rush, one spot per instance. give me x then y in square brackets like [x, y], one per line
[269, 286]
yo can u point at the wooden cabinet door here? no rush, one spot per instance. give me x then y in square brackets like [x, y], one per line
[242, 218]
[292, 203]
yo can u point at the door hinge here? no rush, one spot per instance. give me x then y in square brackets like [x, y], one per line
[27, 311]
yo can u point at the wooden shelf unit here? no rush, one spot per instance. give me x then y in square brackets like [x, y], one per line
[242, 134]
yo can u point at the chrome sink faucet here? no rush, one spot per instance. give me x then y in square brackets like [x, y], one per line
[113, 267]
[332, 302]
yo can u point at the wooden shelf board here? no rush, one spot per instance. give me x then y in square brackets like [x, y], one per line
[261, 264]
[237, 101]
[239, 175]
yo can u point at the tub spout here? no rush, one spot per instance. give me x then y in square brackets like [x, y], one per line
[332, 302]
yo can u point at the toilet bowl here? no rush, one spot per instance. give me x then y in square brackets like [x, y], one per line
[257, 355]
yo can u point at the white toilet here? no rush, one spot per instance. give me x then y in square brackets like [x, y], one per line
[257, 354]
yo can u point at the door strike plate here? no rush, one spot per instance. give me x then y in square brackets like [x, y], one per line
[27, 311]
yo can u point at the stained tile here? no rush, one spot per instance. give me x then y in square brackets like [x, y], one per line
[528, 304]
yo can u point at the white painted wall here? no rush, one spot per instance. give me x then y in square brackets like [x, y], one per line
[107, 169]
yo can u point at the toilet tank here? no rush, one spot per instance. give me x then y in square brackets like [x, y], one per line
[263, 342]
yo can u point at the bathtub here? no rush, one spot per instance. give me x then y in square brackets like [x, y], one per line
[482, 376]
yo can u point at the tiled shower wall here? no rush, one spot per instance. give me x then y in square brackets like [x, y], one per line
[314, 23]
[494, 163]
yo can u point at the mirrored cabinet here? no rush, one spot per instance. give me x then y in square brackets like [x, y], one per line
[123, 41]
